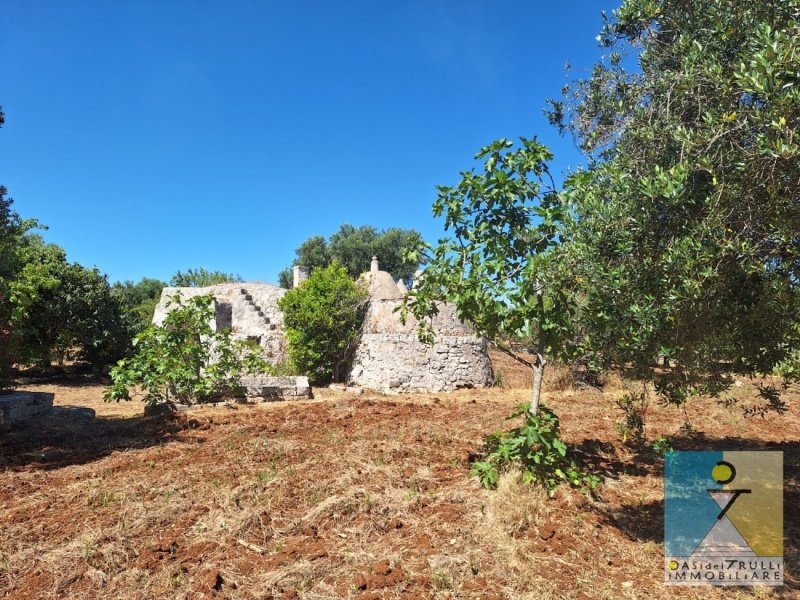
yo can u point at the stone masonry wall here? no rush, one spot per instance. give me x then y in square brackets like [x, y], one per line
[21, 406]
[250, 310]
[399, 362]
[390, 357]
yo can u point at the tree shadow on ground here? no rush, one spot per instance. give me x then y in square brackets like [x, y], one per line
[644, 521]
[79, 373]
[52, 442]
[604, 459]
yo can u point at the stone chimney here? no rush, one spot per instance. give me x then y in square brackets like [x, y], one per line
[373, 267]
[300, 274]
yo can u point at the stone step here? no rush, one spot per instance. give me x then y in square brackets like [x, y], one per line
[259, 311]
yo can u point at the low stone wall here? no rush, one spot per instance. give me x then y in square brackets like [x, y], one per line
[256, 389]
[399, 362]
[21, 406]
[275, 388]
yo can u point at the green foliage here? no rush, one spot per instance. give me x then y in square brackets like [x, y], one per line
[503, 222]
[683, 239]
[9, 225]
[634, 409]
[184, 360]
[536, 448]
[495, 267]
[314, 253]
[323, 318]
[94, 321]
[58, 306]
[353, 248]
[139, 300]
[11, 228]
[202, 278]
[662, 446]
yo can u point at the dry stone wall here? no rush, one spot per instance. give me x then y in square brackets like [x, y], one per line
[391, 358]
[22, 406]
[399, 362]
[249, 310]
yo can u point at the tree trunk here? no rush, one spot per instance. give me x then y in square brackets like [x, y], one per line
[538, 372]
[539, 365]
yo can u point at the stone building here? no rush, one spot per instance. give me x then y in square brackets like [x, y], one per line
[250, 310]
[389, 357]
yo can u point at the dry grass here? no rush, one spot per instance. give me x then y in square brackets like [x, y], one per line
[513, 375]
[515, 508]
[344, 497]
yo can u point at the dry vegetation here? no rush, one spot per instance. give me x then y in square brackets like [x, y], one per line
[348, 497]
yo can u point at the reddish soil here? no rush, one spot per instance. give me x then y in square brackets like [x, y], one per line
[348, 497]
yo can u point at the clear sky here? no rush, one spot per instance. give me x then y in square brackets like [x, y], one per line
[152, 136]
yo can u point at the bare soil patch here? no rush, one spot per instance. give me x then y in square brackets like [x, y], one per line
[347, 497]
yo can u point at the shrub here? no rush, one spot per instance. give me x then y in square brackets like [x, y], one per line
[634, 409]
[57, 306]
[323, 318]
[184, 360]
[536, 449]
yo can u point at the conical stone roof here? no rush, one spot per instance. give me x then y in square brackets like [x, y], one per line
[380, 284]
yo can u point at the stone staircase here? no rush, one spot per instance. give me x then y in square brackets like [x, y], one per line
[248, 298]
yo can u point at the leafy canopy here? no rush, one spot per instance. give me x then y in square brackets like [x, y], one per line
[139, 300]
[9, 234]
[323, 318]
[353, 248]
[202, 278]
[685, 236]
[536, 448]
[503, 221]
[58, 306]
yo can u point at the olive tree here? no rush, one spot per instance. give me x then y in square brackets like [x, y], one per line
[684, 232]
[353, 248]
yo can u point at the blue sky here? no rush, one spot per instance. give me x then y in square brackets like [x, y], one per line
[157, 136]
